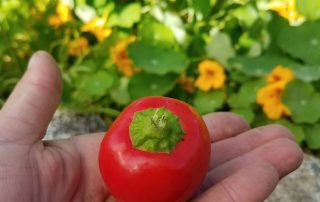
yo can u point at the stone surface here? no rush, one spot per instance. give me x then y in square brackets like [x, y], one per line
[302, 185]
[66, 124]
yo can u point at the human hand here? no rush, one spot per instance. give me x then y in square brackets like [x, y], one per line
[245, 166]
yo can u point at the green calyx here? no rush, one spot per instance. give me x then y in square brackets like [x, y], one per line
[155, 130]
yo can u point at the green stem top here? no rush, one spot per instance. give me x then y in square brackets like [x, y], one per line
[155, 130]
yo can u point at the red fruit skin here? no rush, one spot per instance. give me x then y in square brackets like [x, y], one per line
[132, 175]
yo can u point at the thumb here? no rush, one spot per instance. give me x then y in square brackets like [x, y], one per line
[29, 109]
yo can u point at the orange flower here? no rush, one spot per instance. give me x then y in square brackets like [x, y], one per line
[98, 28]
[186, 82]
[269, 96]
[287, 9]
[280, 74]
[120, 57]
[78, 46]
[63, 15]
[211, 76]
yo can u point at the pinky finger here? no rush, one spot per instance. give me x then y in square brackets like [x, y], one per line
[253, 183]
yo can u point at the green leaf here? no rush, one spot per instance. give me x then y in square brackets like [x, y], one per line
[247, 15]
[246, 95]
[153, 31]
[302, 42]
[297, 130]
[85, 12]
[246, 113]
[120, 94]
[202, 8]
[307, 73]
[127, 16]
[157, 59]
[303, 102]
[206, 102]
[94, 85]
[220, 48]
[260, 66]
[309, 9]
[313, 136]
[146, 84]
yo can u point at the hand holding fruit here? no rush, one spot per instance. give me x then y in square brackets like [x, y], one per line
[246, 163]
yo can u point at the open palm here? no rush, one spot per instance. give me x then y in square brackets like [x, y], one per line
[246, 163]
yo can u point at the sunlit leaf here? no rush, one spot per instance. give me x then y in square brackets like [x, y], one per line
[220, 48]
[127, 16]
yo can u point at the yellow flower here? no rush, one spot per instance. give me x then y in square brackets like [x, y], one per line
[280, 74]
[120, 57]
[98, 28]
[78, 46]
[186, 82]
[211, 76]
[269, 96]
[287, 9]
[63, 15]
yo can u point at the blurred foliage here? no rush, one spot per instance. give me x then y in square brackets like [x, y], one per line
[260, 59]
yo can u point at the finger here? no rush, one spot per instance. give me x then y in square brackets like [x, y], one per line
[223, 151]
[252, 183]
[283, 154]
[222, 125]
[30, 107]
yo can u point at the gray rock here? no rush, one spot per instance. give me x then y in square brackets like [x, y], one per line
[302, 185]
[67, 123]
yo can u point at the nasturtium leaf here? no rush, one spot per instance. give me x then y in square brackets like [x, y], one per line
[206, 102]
[202, 8]
[146, 84]
[157, 59]
[153, 31]
[307, 73]
[296, 129]
[95, 84]
[246, 95]
[303, 102]
[220, 48]
[246, 113]
[302, 42]
[120, 94]
[247, 15]
[126, 17]
[312, 135]
[309, 9]
[260, 66]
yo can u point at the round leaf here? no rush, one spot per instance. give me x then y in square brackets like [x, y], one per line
[313, 136]
[246, 113]
[156, 59]
[303, 102]
[302, 42]
[146, 84]
[206, 102]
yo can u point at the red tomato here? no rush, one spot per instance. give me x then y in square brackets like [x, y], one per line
[133, 175]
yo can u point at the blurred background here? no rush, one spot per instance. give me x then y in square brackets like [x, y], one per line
[260, 59]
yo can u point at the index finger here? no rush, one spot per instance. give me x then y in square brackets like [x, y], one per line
[222, 125]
